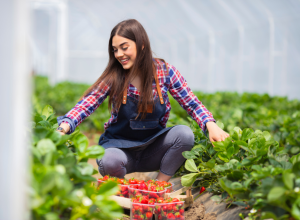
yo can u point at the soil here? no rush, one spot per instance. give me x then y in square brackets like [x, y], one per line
[197, 212]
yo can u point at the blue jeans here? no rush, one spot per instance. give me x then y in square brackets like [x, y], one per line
[164, 154]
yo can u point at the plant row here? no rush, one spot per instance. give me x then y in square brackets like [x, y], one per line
[61, 179]
[250, 169]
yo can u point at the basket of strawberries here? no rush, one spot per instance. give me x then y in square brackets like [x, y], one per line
[143, 207]
[171, 208]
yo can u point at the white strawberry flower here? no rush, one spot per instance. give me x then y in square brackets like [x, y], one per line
[86, 201]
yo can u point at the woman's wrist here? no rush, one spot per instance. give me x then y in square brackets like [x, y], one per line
[210, 124]
[65, 126]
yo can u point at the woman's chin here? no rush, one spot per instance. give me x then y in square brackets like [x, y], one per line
[126, 67]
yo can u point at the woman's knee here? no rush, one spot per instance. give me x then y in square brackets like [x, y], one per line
[113, 163]
[184, 135]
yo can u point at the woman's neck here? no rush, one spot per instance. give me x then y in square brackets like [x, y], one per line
[137, 83]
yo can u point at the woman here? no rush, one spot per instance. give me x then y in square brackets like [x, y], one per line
[136, 138]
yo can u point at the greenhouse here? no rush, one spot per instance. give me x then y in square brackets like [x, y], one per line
[219, 137]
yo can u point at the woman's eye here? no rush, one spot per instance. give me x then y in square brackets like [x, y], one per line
[125, 48]
[114, 51]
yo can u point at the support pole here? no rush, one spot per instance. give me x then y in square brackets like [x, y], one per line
[14, 111]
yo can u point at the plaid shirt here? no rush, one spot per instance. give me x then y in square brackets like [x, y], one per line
[172, 82]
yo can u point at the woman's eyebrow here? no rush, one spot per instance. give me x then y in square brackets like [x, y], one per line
[121, 44]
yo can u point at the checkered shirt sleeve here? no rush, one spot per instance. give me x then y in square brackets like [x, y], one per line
[84, 108]
[180, 90]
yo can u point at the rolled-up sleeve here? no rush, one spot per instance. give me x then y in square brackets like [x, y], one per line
[85, 107]
[187, 100]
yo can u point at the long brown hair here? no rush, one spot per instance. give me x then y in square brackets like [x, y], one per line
[118, 78]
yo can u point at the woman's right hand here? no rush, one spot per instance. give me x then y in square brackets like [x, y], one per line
[66, 128]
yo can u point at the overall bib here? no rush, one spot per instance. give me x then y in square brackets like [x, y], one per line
[131, 132]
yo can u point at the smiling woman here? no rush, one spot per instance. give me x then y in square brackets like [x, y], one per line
[136, 138]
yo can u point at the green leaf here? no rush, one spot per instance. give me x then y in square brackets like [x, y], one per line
[48, 182]
[51, 216]
[288, 179]
[237, 114]
[230, 152]
[68, 161]
[296, 168]
[45, 146]
[216, 198]
[267, 135]
[223, 157]
[276, 194]
[197, 151]
[268, 215]
[219, 146]
[211, 163]
[85, 168]
[249, 161]
[247, 134]
[294, 159]
[81, 142]
[189, 179]
[296, 209]
[108, 188]
[45, 124]
[95, 152]
[239, 203]
[199, 146]
[191, 166]
[220, 124]
[189, 155]
[226, 185]
[236, 186]
[235, 175]
[47, 111]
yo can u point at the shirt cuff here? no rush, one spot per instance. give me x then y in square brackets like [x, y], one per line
[204, 124]
[67, 120]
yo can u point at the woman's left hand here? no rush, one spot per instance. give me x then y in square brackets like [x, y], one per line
[215, 132]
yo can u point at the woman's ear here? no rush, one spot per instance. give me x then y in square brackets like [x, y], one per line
[143, 47]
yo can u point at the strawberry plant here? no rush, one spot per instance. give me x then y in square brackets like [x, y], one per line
[249, 169]
[61, 178]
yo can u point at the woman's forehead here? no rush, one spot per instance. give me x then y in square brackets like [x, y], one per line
[120, 41]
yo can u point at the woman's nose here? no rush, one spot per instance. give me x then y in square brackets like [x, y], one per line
[119, 53]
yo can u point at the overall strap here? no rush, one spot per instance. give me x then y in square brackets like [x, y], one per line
[124, 96]
[157, 87]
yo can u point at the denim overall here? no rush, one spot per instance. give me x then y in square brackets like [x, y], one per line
[129, 132]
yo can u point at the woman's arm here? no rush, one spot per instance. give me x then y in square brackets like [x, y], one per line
[188, 101]
[84, 108]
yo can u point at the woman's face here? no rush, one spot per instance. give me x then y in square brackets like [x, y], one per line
[124, 51]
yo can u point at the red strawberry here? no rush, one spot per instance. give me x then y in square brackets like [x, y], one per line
[202, 189]
[169, 207]
[170, 216]
[144, 201]
[149, 215]
[175, 200]
[177, 215]
[181, 211]
[143, 186]
[175, 209]
[106, 177]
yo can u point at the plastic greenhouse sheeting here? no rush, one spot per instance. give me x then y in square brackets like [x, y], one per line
[232, 45]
